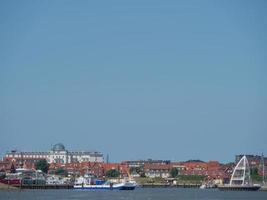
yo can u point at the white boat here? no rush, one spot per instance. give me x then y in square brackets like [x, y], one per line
[108, 186]
[87, 183]
[208, 186]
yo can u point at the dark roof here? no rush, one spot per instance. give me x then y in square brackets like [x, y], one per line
[58, 147]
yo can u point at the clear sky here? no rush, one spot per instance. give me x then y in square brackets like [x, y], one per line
[135, 79]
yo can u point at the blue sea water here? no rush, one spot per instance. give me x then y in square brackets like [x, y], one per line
[138, 194]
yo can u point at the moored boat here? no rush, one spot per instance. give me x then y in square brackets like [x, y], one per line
[208, 186]
[108, 186]
[87, 183]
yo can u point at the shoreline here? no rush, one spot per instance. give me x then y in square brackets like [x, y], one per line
[4, 187]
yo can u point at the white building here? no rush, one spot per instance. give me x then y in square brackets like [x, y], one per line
[57, 154]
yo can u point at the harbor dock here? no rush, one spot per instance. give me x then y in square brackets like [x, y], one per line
[263, 188]
[159, 185]
[44, 187]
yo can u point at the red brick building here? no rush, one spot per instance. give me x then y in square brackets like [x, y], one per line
[157, 170]
[94, 168]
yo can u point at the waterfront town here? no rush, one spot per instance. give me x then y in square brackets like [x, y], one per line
[58, 166]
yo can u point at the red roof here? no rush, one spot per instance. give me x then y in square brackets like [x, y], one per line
[157, 167]
[194, 165]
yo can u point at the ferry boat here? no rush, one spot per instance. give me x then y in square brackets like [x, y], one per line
[240, 179]
[90, 183]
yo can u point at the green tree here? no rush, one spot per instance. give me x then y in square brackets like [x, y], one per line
[142, 174]
[2, 174]
[61, 171]
[113, 173]
[137, 170]
[254, 171]
[174, 172]
[12, 169]
[42, 165]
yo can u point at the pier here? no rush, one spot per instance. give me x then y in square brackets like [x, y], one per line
[44, 187]
[238, 188]
[158, 185]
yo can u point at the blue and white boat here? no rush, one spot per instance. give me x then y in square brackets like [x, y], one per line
[89, 183]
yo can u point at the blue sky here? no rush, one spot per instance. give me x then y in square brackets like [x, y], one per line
[135, 79]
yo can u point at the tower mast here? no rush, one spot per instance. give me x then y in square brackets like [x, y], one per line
[263, 173]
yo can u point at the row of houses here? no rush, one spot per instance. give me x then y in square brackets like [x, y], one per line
[149, 169]
[211, 169]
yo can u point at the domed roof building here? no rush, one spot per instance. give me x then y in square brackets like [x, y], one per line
[57, 154]
[58, 147]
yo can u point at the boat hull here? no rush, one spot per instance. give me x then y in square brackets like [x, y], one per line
[127, 188]
[238, 188]
[122, 186]
[204, 187]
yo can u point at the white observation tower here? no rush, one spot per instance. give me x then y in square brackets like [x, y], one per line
[241, 179]
[241, 173]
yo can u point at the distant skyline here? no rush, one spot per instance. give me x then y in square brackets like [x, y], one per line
[172, 80]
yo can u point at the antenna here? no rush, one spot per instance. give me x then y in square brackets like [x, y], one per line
[107, 161]
[263, 166]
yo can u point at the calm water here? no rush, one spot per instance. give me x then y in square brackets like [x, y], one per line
[138, 194]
